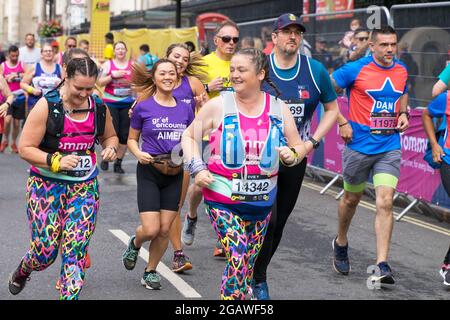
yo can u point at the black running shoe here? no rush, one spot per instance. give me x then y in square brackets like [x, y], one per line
[118, 167]
[341, 263]
[104, 165]
[17, 281]
[385, 276]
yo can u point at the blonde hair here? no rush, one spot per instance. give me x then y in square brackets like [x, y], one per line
[196, 66]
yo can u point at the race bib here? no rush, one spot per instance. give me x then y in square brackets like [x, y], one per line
[122, 92]
[383, 123]
[84, 166]
[297, 108]
[255, 187]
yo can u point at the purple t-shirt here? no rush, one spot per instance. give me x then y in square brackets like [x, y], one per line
[161, 127]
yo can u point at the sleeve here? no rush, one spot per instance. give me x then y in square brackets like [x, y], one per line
[327, 92]
[346, 75]
[136, 121]
[437, 107]
[108, 53]
[445, 75]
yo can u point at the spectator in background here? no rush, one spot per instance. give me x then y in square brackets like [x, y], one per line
[258, 43]
[266, 35]
[2, 54]
[70, 43]
[360, 45]
[55, 47]
[84, 45]
[190, 45]
[29, 54]
[146, 58]
[413, 70]
[108, 53]
[247, 42]
[321, 53]
[346, 41]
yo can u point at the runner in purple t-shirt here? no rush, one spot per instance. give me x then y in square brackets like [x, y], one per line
[160, 120]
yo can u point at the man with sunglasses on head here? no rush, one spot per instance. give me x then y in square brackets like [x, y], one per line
[304, 83]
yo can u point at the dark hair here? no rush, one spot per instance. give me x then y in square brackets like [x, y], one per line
[120, 42]
[109, 36]
[196, 66]
[71, 38]
[144, 48]
[226, 23]
[13, 48]
[142, 80]
[359, 30]
[190, 45]
[68, 55]
[259, 60]
[84, 41]
[83, 66]
[382, 30]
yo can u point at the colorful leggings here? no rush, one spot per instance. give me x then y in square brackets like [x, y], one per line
[61, 214]
[242, 241]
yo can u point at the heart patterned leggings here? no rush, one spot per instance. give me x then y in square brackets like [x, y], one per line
[61, 214]
[242, 241]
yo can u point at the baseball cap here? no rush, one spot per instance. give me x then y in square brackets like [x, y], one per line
[287, 19]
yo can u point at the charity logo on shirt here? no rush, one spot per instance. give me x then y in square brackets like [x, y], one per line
[168, 130]
[384, 98]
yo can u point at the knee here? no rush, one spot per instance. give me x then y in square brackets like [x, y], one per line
[350, 200]
[150, 233]
[384, 204]
[164, 232]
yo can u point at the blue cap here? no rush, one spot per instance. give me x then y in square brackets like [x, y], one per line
[287, 19]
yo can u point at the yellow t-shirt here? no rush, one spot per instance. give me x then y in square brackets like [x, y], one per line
[108, 53]
[216, 67]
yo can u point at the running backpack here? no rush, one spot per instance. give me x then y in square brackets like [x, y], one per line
[55, 121]
[440, 134]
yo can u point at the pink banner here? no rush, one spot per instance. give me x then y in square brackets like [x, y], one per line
[414, 171]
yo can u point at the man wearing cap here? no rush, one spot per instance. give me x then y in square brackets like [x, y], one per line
[304, 83]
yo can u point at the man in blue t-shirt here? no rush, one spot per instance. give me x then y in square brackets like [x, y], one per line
[146, 58]
[304, 84]
[377, 89]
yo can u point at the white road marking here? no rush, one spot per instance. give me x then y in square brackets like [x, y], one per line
[185, 289]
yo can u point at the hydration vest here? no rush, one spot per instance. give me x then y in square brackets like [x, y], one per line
[55, 121]
[232, 149]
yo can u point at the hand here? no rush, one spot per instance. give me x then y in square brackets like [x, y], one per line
[10, 77]
[37, 92]
[109, 154]
[117, 74]
[200, 99]
[69, 162]
[403, 123]
[204, 178]
[286, 155]
[144, 158]
[216, 84]
[3, 110]
[437, 153]
[346, 133]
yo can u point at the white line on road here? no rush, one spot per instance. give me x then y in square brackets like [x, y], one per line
[185, 289]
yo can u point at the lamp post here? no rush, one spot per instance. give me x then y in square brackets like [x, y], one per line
[178, 13]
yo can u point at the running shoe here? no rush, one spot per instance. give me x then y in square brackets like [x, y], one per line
[104, 165]
[188, 232]
[3, 146]
[341, 263]
[118, 167]
[219, 251]
[180, 262]
[17, 281]
[129, 257]
[385, 276]
[445, 273]
[14, 148]
[151, 280]
[261, 291]
[58, 285]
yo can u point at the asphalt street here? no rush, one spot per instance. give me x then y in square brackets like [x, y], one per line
[301, 269]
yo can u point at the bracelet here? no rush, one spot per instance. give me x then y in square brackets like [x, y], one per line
[404, 112]
[195, 166]
[49, 159]
[55, 162]
[30, 90]
[341, 125]
[8, 104]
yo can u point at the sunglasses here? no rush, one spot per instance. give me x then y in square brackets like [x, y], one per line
[362, 38]
[227, 39]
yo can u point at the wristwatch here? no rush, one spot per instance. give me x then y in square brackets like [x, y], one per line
[315, 143]
[405, 112]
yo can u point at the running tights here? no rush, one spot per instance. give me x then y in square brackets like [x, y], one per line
[61, 214]
[289, 183]
[242, 241]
